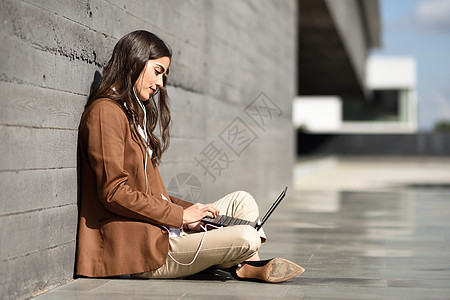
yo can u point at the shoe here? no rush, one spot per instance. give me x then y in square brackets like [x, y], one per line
[272, 270]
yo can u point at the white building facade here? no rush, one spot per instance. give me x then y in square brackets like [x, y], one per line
[390, 108]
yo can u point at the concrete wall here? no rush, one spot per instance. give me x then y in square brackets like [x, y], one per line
[225, 54]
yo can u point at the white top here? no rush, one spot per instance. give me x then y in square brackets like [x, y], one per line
[173, 232]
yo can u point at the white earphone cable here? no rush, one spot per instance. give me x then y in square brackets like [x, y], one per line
[199, 247]
[143, 133]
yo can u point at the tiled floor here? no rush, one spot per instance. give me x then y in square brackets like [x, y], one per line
[362, 228]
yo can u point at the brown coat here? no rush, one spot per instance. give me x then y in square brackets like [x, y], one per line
[119, 228]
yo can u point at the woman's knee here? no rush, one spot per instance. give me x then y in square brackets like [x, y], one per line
[244, 243]
[245, 197]
[249, 237]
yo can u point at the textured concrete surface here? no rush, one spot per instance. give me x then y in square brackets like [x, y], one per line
[363, 229]
[226, 54]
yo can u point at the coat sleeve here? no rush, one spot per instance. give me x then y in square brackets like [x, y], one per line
[178, 201]
[103, 132]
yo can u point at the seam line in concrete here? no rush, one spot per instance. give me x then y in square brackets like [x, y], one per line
[35, 210]
[38, 127]
[35, 169]
[28, 254]
[3, 78]
[285, 292]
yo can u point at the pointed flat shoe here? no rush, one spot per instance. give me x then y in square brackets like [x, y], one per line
[272, 270]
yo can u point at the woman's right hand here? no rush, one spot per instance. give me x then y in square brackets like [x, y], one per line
[198, 211]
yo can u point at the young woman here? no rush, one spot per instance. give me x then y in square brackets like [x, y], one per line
[129, 224]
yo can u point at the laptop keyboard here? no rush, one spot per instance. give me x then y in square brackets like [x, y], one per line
[222, 220]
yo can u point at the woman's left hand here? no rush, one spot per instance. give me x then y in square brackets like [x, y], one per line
[196, 226]
[198, 211]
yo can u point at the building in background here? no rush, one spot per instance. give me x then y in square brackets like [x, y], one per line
[335, 38]
[348, 103]
[391, 105]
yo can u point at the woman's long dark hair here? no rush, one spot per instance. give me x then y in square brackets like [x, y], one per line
[129, 58]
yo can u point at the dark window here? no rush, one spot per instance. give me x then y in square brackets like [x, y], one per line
[383, 106]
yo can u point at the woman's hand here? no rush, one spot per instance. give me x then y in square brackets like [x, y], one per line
[198, 211]
[196, 226]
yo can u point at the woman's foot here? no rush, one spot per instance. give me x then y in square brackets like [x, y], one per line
[272, 270]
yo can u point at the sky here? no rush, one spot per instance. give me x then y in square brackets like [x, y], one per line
[421, 29]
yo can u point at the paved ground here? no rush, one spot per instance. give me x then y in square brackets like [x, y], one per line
[364, 228]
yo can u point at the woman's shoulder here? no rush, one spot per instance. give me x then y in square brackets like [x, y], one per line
[104, 109]
[105, 104]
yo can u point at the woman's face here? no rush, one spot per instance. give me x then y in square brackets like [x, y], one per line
[151, 77]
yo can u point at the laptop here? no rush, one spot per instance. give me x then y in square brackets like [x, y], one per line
[223, 221]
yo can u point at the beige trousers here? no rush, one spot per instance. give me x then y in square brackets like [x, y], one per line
[224, 247]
